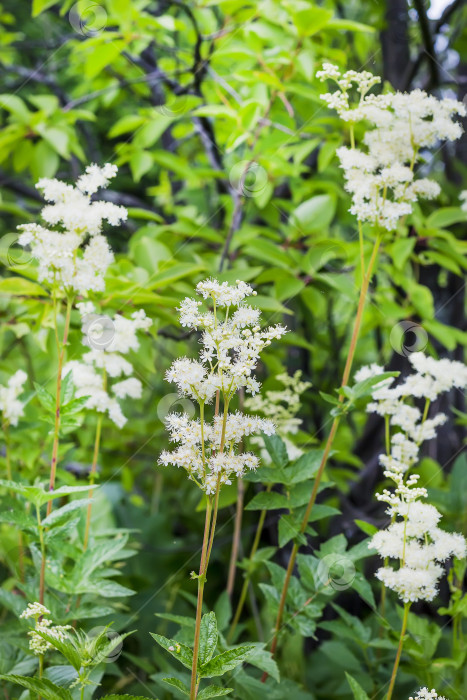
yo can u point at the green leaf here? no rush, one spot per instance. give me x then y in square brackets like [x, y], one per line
[17, 286]
[207, 638]
[125, 697]
[367, 528]
[263, 659]
[140, 163]
[366, 386]
[226, 661]
[277, 450]
[177, 684]
[315, 214]
[213, 691]
[357, 690]
[60, 515]
[305, 467]
[179, 651]
[39, 6]
[47, 689]
[46, 399]
[446, 216]
[65, 647]
[267, 500]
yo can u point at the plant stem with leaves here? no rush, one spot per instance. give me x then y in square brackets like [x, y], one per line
[329, 442]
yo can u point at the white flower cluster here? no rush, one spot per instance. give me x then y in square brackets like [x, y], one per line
[425, 694]
[11, 407]
[109, 339]
[230, 353]
[37, 644]
[413, 537]
[231, 347]
[282, 407]
[200, 447]
[380, 175]
[463, 198]
[74, 254]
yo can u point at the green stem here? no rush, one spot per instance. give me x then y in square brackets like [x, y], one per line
[399, 651]
[199, 607]
[244, 591]
[92, 477]
[42, 545]
[61, 357]
[329, 442]
[6, 429]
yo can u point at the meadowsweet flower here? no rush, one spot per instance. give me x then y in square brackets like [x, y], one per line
[413, 537]
[425, 694]
[380, 175]
[109, 339]
[37, 644]
[231, 346]
[281, 407]
[71, 249]
[11, 408]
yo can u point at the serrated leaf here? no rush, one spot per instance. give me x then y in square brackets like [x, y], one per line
[65, 647]
[226, 661]
[277, 450]
[125, 697]
[178, 684]
[357, 690]
[213, 691]
[179, 651]
[43, 687]
[208, 636]
[58, 516]
[46, 399]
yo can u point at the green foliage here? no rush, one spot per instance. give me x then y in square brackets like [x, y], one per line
[228, 169]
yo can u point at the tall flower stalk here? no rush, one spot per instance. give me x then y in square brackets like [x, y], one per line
[381, 178]
[413, 537]
[109, 339]
[210, 451]
[72, 258]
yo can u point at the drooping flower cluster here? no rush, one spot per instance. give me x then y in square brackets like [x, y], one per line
[413, 537]
[380, 175]
[231, 346]
[11, 407]
[425, 694]
[109, 339]
[37, 644]
[282, 407]
[71, 249]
